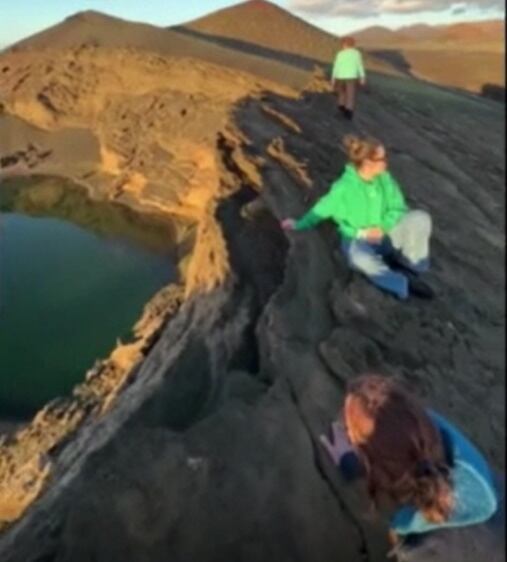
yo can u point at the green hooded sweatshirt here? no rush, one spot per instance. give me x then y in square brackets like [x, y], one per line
[355, 204]
[348, 65]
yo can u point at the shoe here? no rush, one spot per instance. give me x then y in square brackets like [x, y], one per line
[342, 108]
[419, 288]
[398, 263]
[392, 263]
[348, 114]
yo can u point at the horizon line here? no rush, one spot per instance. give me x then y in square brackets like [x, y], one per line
[314, 24]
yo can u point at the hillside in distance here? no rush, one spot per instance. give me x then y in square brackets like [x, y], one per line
[474, 36]
[467, 55]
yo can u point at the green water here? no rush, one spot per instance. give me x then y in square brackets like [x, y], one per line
[74, 277]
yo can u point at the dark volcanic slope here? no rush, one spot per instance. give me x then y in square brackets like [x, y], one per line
[212, 453]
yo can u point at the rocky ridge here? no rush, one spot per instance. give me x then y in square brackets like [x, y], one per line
[157, 149]
[209, 449]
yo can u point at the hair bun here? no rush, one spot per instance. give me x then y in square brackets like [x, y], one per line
[358, 149]
[351, 142]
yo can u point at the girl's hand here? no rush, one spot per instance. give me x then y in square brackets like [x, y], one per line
[339, 443]
[396, 546]
[288, 224]
[393, 538]
[362, 81]
[374, 234]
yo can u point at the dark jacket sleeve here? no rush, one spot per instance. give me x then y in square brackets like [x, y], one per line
[351, 466]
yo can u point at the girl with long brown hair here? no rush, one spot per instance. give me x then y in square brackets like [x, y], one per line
[429, 472]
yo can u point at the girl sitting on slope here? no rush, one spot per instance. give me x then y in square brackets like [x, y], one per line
[375, 225]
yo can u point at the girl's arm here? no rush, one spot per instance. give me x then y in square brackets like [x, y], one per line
[360, 68]
[334, 72]
[323, 209]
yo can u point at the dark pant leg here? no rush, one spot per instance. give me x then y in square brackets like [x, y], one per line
[350, 94]
[395, 259]
[340, 90]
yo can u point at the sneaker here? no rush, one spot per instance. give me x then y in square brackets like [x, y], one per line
[348, 114]
[418, 288]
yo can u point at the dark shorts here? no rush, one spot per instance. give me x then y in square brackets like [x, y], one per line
[342, 84]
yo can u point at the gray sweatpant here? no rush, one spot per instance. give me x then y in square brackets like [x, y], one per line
[407, 243]
[410, 237]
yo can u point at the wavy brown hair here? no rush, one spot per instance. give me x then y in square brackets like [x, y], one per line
[404, 455]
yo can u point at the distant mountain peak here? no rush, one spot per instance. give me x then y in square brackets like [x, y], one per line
[260, 4]
[86, 14]
[91, 16]
[262, 23]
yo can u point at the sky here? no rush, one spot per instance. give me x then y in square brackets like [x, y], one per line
[21, 18]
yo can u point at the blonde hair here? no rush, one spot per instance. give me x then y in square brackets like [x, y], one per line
[360, 149]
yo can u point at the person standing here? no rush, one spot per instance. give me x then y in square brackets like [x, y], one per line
[348, 72]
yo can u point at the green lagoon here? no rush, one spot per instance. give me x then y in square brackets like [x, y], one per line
[74, 277]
